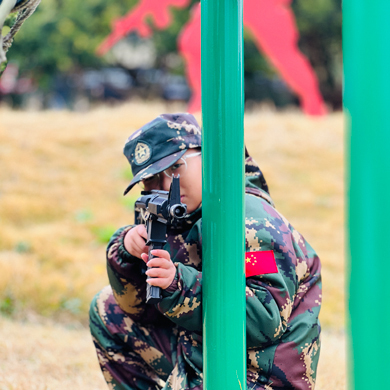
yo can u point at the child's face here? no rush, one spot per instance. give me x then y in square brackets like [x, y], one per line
[189, 167]
[190, 181]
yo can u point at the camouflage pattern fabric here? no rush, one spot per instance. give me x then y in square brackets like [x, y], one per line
[143, 346]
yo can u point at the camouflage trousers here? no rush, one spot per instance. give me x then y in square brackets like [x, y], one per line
[132, 356]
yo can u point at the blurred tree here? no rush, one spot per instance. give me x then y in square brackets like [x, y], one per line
[63, 35]
[320, 26]
[166, 40]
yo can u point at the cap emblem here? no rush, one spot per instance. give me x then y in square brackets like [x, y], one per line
[142, 153]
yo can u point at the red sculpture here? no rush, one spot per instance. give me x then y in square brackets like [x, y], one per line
[274, 31]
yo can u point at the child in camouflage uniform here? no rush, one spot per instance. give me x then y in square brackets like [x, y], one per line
[142, 346]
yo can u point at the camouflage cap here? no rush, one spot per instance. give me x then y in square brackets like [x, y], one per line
[160, 143]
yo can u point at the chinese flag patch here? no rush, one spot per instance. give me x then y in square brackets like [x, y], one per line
[260, 263]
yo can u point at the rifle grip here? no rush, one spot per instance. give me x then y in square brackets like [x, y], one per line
[153, 293]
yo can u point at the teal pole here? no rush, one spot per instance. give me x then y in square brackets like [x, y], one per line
[366, 48]
[224, 304]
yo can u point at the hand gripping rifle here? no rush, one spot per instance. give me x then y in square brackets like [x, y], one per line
[157, 209]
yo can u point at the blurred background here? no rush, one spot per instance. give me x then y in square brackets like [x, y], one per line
[63, 70]
[65, 114]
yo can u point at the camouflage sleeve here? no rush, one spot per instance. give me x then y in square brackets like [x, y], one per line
[182, 304]
[182, 301]
[126, 274]
[269, 297]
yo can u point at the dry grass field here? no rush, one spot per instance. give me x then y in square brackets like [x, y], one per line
[62, 177]
[47, 356]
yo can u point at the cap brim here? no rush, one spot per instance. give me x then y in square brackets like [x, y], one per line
[155, 168]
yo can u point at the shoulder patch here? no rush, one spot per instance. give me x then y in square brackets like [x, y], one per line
[260, 263]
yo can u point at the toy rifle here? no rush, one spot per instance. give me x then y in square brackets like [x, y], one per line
[157, 209]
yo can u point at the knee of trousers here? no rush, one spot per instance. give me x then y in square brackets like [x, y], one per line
[99, 315]
[94, 311]
[98, 302]
[106, 318]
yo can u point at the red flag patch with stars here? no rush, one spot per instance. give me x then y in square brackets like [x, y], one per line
[260, 263]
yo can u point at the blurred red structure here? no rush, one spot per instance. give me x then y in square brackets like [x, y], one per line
[272, 24]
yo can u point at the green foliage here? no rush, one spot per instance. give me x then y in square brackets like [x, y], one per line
[2, 67]
[7, 304]
[254, 61]
[73, 305]
[62, 36]
[165, 41]
[320, 40]
[83, 215]
[8, 23]
[129, 200]
[23, 247]
[103, 234]
[127, 174]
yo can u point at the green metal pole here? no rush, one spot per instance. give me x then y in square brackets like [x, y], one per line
[366, 45]
[224, 305]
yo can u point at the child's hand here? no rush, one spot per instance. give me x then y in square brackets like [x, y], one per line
[162, 270]
[135, 241]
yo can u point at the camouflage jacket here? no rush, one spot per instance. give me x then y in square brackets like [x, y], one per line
[283, 331]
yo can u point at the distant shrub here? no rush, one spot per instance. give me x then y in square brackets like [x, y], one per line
[127, 174]
[129, 200]
[83, 215]
[23, 247]
[72, 305]
[7, 304]
[103, 234]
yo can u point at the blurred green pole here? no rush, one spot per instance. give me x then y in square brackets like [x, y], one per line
[366, 48]
[224, 305]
